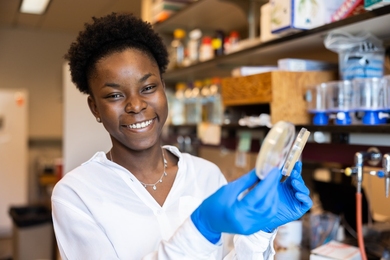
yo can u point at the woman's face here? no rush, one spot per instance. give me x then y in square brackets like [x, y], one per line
[129, 97]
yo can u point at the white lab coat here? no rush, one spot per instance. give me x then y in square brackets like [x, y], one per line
[101, 211]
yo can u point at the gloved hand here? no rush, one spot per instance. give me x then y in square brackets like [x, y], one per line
[294, 199]
[224, 211]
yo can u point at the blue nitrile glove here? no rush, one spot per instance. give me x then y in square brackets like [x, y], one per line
[224, 212]
[294, 199]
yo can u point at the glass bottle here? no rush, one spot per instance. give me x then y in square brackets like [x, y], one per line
[178, 46]
[193, 103]
[215, 99]
[176, 108]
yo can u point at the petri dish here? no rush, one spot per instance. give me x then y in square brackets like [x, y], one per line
[275, 148]
[295, 151]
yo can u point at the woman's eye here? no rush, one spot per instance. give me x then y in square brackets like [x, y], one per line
[114, 96]
[148, 89]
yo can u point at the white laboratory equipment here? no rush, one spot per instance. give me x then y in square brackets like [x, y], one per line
[335, 97]
[316, 98]
[373, 99]
[342, 101]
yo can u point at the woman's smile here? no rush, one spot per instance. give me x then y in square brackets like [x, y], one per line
[140, 125]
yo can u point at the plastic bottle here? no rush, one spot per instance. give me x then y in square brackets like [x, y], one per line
[206, 51]
[234, 37]
[194, 45]
[226, 45]
[178, 46]
[233, 40]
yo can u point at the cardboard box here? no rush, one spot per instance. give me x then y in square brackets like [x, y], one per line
[265, 23]
[305, 65]
[348, 8]
[336, 251]
[284, 91]
[295, 15]
[161, 10]
[251, 70]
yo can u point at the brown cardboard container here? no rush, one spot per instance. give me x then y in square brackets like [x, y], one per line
[284, 91]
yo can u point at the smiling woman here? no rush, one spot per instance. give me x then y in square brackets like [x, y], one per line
[143, 201]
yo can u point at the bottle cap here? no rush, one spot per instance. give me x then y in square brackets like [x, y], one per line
[234, 34]
[195, 34]
[179, 33]
[206, 40]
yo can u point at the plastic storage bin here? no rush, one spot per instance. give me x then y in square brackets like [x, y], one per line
[33, 235]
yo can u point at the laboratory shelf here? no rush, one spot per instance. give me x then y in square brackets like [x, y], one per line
[209, 15]
[305, 44]
[369, 129]
[384, 128]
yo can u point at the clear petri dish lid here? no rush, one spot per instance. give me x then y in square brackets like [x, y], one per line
[295, 151]
[275, 148]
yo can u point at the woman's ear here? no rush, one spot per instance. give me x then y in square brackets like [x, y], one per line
[92, 107]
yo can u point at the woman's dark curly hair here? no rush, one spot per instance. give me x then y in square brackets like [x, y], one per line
[110, 34]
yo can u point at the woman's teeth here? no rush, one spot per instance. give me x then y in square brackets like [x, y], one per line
[140, 125]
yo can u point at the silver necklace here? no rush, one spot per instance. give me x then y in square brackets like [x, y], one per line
[153, 185]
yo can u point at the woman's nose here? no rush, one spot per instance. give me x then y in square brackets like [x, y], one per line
[135, 105]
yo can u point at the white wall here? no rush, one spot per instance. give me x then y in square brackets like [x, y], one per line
[33, 60]
[83, 136]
